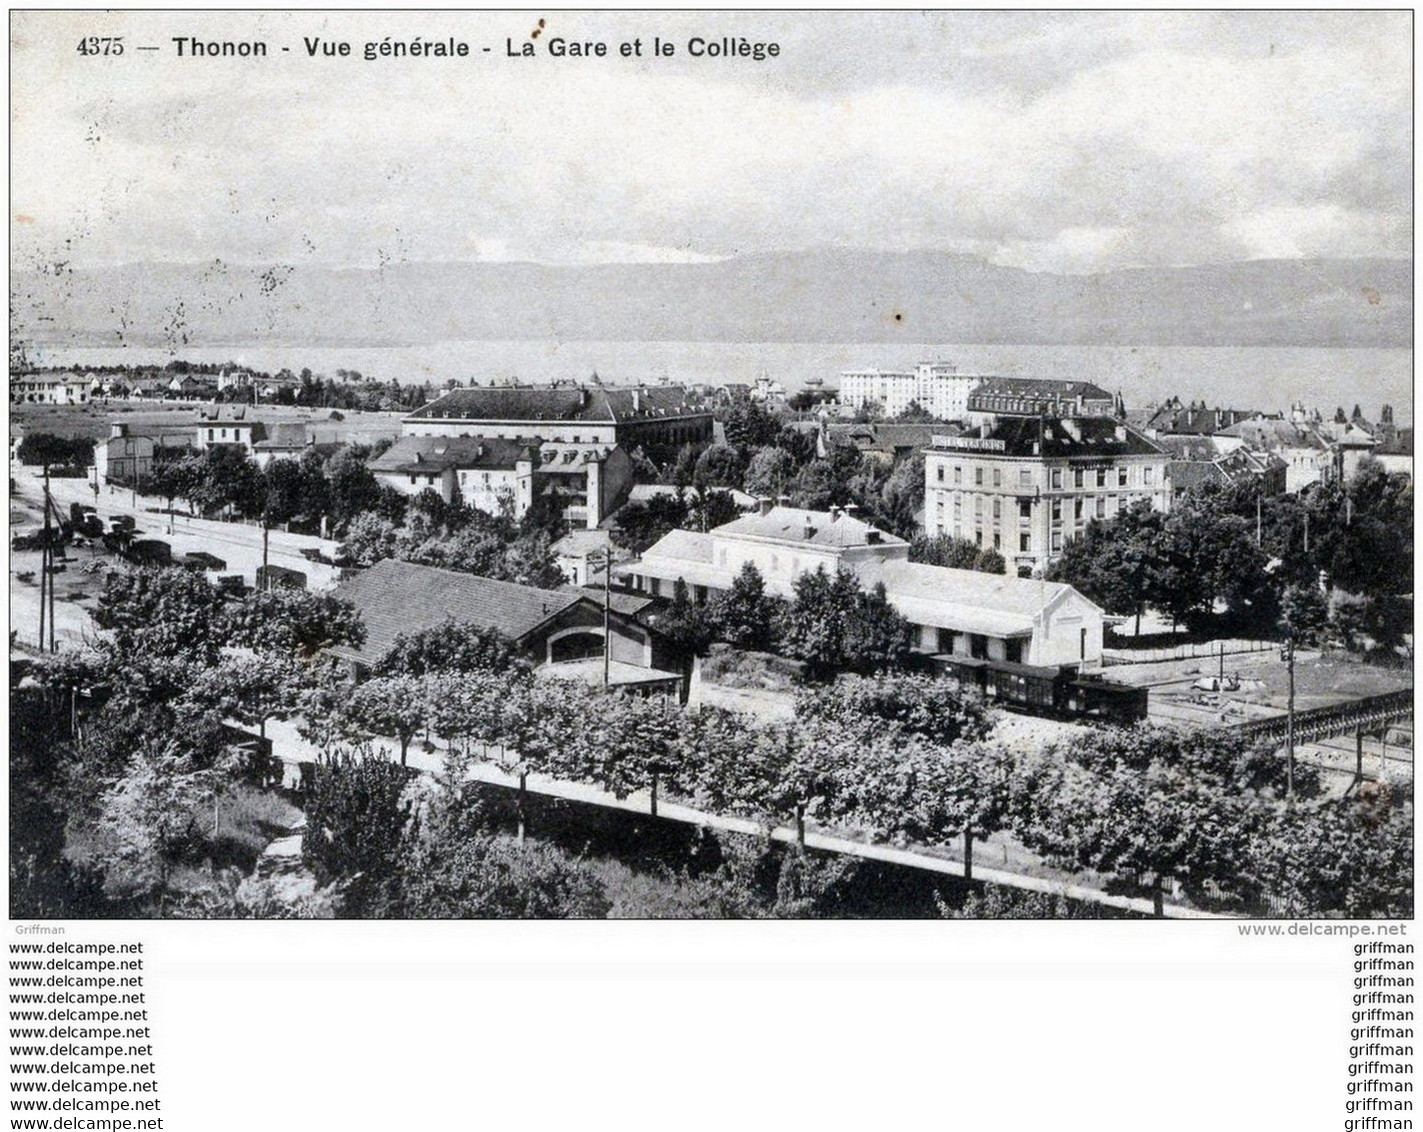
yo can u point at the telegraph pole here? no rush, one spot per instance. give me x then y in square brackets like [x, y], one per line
[607, 618]
[1290, 741]
[44, 556]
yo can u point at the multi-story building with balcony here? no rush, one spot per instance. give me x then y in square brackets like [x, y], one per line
[1025, 486]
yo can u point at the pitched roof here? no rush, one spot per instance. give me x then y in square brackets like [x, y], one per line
[1005, 593]
[1189, 447]
[595, 405]
[1060, 438]
[1039, 387]
[284, 434]
[1186, 474]
[396, 597]
[1273, 432]
[818, 528]
[437, 453]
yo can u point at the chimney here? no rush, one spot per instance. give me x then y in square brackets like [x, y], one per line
[764, 505]
[1121, 432]
[983, 431]
[809, 530]
[118, 429]
[637, 400]
[834, 512]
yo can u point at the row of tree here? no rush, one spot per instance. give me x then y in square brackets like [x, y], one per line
[1235, 549]
[903, 759]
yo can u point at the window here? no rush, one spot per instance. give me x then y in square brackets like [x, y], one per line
[1056, 541]
[1056, 478]
[978, 505]
[1077, 510]
[978, 477]
[1025, 542]
[412, 479]
[978, 646]
[997, 509]
[1077, 478]
[211, 435]
[997, 541]
[1146, 475]
[1057, 510]
[1101, 477]
[1013, 651]
[997, 477]
[1101, 507]
[1025, 508]
[1122, 476]
[1025, 477]
[941, 473]
[978, 538]
[958, 473]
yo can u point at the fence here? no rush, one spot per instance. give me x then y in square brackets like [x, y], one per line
[1367, 714]
[1201, 650]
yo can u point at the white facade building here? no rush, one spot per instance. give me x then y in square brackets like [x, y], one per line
[935, 386]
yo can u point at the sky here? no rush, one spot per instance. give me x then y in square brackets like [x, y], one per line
[1064, 142]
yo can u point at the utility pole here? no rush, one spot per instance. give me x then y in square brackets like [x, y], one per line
[607, 618]
[44, 557]
[266, 576]
[1290, 742]
[1257, 520]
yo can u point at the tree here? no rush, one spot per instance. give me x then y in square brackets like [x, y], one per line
[833, 626]
[480, 876]
[284, 491]
[915, 413]
[177, 479]
[770, 472]
[938, 710]
[748, 425]
[902, 496]
[683, 623]
[230, 478]
[252, 689]
[49, 450]
[353, 487]
[955, 553]
[169, 612]
[746, 616]
[713, 509]
[386, 706]
[355, 821]
[718, 466]
[296, 622]
[454, 646]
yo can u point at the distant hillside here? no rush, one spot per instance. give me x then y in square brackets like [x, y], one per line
[822, 296]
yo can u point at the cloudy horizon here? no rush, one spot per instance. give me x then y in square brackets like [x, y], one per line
[1065, 142]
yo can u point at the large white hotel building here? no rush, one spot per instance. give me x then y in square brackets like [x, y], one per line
[936, 386]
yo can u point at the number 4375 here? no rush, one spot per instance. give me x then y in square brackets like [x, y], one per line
[101, 45]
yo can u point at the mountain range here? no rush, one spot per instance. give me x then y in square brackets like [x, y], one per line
[840, 295]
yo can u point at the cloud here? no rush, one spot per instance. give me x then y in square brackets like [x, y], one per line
[1065, 141]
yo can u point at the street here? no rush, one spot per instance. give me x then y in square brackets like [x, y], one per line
[239, 544]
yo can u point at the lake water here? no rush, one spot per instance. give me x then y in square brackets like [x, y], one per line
[1268, 378]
